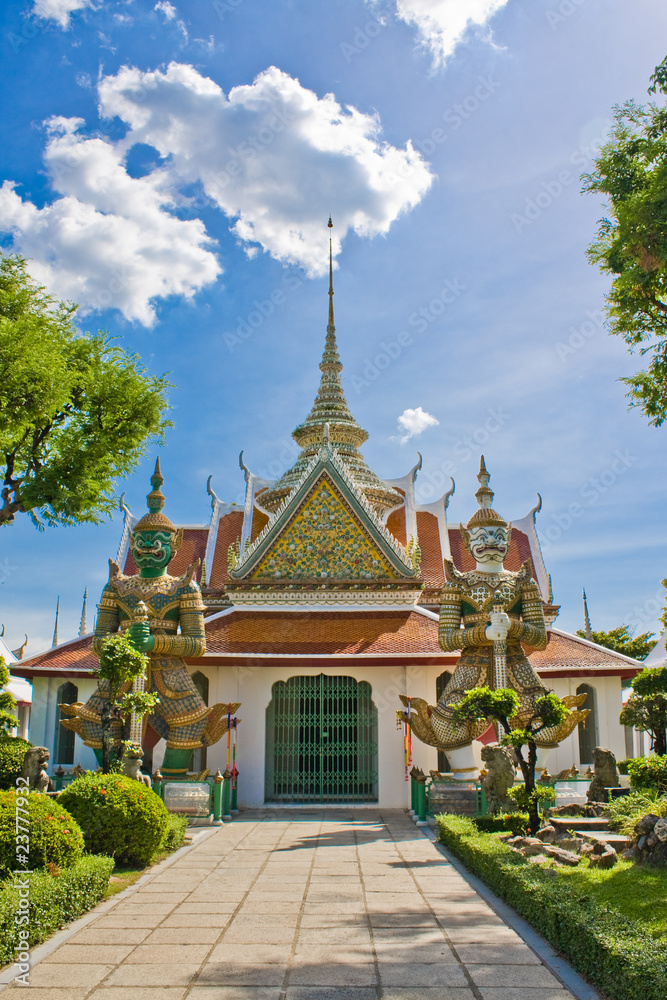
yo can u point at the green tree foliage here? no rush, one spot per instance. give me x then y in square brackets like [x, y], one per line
[631, 244]
[7, 702]
[120, 665]
[646, 708]
[76, 411]
[521, 729]
[621, 640]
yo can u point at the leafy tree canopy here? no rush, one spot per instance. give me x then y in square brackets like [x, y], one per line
[8, 720]
[646, 708]
[631, 244]
[76, 411]
[621, 640]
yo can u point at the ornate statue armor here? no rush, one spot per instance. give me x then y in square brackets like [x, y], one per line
[487, 613]
[181, 717]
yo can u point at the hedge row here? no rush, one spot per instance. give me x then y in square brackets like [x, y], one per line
[615, 953]
[53, 901]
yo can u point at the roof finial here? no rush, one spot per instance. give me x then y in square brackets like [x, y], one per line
[82, 623]
[588, 632]
[55, 628]
[331, 292]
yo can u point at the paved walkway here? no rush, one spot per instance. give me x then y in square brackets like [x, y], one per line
[289, 906]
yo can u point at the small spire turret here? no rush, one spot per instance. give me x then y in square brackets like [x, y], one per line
[82, 623]
[588, 632]
[55, 627]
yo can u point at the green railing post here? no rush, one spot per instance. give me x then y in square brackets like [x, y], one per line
[217, 799]
[59, 774]
[227, 796]
[158, 784]
[420, 810]
[235, 792]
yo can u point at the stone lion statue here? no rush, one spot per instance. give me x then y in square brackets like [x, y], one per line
[605, 775]
[131, 764]
[499, 777]
[34, 769]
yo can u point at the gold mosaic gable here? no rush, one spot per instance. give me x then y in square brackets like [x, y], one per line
[324, 540]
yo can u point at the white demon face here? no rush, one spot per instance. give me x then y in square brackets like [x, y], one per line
[489, 544]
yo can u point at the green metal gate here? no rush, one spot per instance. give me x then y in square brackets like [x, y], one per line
[321, 741]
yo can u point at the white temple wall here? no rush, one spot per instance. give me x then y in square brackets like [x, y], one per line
[252, 686]
[611, 734]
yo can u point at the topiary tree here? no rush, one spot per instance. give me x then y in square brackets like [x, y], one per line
[120, 665]
[521, 727]
[48, 835]
[118, 815]
[646, 708]
[8, 720]
[12, 752]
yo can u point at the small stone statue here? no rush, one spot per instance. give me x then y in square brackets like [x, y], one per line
[605, 775]
[131, 764]
[34, 769]
[499, 777]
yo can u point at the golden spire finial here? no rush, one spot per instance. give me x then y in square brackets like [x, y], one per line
[331, 312]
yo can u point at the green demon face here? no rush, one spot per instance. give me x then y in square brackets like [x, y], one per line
[152, 550]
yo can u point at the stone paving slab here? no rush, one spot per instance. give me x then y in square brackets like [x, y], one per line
[279, 905]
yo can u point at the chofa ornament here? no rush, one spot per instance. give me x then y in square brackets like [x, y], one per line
[487, 613]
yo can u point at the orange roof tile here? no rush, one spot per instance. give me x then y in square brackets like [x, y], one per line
[70, 657]
[433, 570]
[229, 530]
[396, 524]
[569, 656]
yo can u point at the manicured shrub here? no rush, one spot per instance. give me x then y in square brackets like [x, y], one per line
[648, 772]
[616, 953]
[12, 752]
[174, 836]
[40, 825]
[516, 823]
[52, 901]
[118, 815]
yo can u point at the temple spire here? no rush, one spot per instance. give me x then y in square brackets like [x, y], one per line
[588, 632]
[84, 608]
[55, 627]
[345, 435]
[331, 291]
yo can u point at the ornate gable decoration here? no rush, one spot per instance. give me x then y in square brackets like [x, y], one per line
[325, 531]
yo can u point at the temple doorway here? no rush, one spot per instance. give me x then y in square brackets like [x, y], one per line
[321, 741]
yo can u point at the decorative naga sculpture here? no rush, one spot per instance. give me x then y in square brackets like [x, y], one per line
[487, 613]
[181, 717]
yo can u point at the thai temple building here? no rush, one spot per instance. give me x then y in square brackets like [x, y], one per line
[321, 604]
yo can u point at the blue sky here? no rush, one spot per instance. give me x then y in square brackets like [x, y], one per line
[171, 167]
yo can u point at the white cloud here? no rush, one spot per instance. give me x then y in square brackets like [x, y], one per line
[109, 240]
[415, 422]
[59, 10]
[272, 156]
[442, 24]
[167, 9]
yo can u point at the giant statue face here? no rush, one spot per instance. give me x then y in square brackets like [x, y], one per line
[152, 549]
[489, 543]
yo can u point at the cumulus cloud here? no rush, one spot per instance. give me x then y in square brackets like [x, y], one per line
[109, 240]
[59, 10]
[415, 422]
[443, 24]
[167, 9]
[271, 155]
